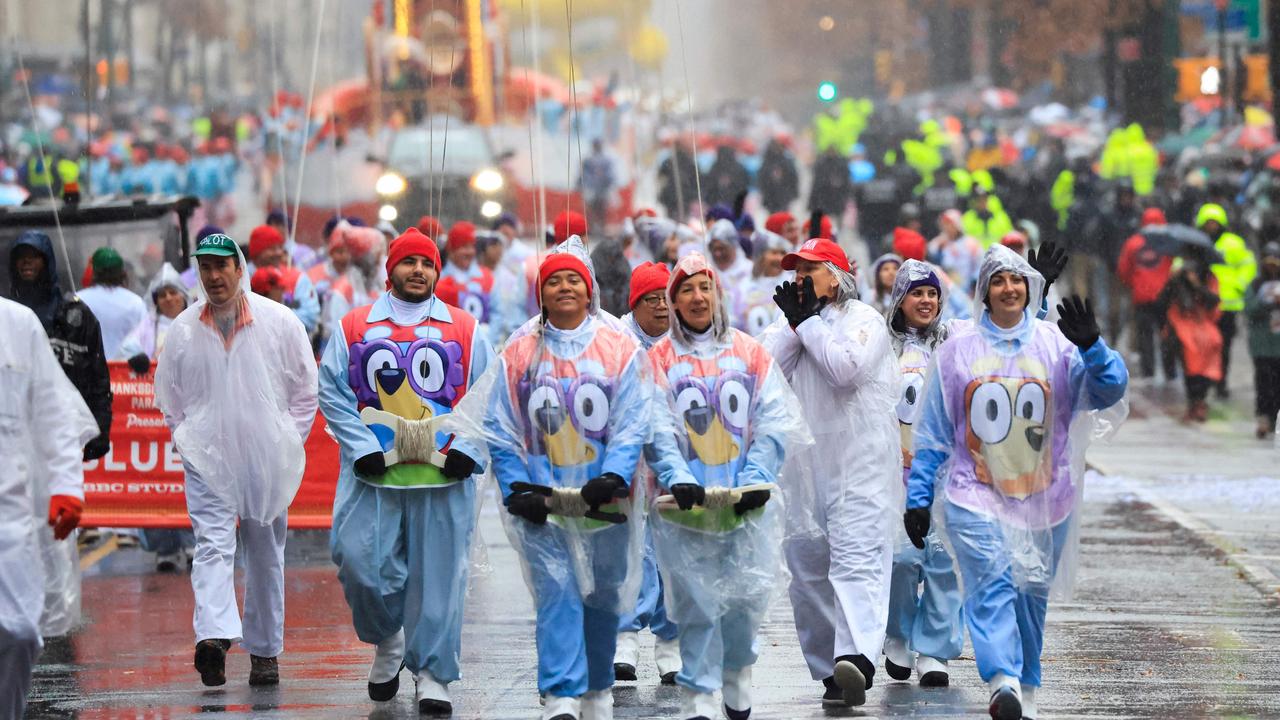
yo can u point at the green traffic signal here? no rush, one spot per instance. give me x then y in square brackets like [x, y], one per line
[826, 91]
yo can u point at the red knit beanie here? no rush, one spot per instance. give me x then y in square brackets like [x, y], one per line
[461, 235]
[568, 224]
[778, 221]
[646, 278]
[262, 238]
[411, 242]
[555, 262]
[909, 244]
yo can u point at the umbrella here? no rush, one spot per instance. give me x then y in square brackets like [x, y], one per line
[1178, 240]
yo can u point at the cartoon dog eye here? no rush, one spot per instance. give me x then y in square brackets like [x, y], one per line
[735, 403]
[545, 408]
[692, 397]
[1030, 403]
[590, 407]
[909, 402]
[380, 359]
[990, 413]
[428, 369]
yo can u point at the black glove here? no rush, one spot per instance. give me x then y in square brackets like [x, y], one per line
[529, 506]
[1077, 322]
[140, 364]
[371, 465]
[688, 494]
[751, 500]
[798, 301]
[602, 490]
[97, 447]
[916, 521]
[1049, 262]
[457, 465]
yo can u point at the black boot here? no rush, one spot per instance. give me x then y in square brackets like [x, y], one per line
[211, 661]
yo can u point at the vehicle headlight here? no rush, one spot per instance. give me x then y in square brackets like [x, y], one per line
[390, 184]
[491, 209]
[487, 181]
[388, 213]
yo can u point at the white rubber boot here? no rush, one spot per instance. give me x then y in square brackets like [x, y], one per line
[737, 693]
[384, 673]
[697, 705]
[432, 695]
[598, 705]
[561, 708]
[1029, 710]
[932, 671]
[626, 656]
[666, 655]
[1006, 698]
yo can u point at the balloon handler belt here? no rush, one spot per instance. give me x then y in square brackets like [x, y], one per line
[719, 497]
[414, 440]
[568, 502]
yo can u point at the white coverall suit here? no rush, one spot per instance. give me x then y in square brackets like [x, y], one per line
[846, 488]
[239, 416]
[44, 425]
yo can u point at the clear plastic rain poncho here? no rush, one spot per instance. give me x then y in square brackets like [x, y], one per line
[1007, 417]
[739, 271]
[44, 424]
[240, 411]
[846, 487]
[727, 420]
[559, 408]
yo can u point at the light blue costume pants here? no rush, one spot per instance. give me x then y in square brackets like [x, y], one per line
[1006, 625]
[576, 635]
[717, 624]
[651, 611]
[402, 558]
[930, 621]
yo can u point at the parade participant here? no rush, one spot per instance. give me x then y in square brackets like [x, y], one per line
[166, 299]
[237, 386]
[402, 530]
[879, 290]
[649, 320]
[73, 331]
[751, 303]
[117, 308]
[724, 419]
[731, 265]
[1008, 411]
[835, 352]
[956, 253]
[1234, 273]
[784, 224]
[1262, 313]
[985, 220]
[1146, 271]
[267, 249]
[509, 306]
[44, 423]
[358, 286]
[337, 264]
[926, 621]
[565, 425]
[465, 283]
[908, 244]
[269, 283]
[1191, 303]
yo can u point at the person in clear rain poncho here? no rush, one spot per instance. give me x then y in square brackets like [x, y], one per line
[237, 386]
[44, 425]
[724, 420]
[733, 267]
[926, 621]
[649, 321]
[752, 307]
[404, 510]
[846, 489]
[565, 421]
[1009, 409]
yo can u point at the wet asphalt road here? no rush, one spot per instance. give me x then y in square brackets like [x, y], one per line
[1161, 628]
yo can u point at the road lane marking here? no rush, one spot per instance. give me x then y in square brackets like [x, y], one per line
[94, 556]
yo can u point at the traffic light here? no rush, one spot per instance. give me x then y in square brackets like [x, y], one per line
[827, 91]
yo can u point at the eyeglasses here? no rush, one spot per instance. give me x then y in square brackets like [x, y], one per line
[654, 300]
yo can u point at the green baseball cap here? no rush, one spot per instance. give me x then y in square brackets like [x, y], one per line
[106, 259]
[216, 244]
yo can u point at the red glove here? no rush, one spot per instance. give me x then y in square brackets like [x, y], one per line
[64, 514]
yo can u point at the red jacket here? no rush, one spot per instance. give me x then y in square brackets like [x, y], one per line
[1144, 270]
